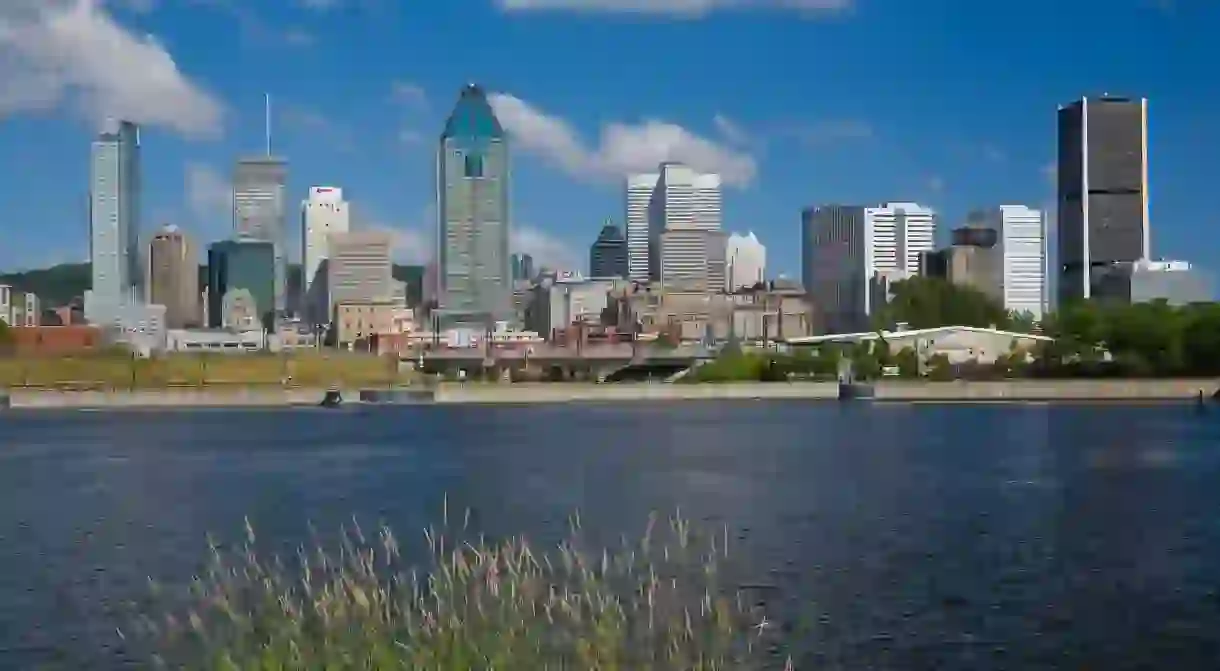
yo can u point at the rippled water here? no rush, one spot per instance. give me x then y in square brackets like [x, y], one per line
[898, 536]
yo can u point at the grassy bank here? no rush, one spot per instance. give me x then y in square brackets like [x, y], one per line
[657, 603]
[109, 371]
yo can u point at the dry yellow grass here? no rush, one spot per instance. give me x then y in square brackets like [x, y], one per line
[312, 369]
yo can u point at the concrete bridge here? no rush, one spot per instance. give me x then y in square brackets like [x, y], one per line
[593, 362]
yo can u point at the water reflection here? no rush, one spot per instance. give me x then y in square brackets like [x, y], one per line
[891, 536]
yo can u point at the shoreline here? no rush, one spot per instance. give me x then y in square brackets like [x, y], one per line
[1008, 391]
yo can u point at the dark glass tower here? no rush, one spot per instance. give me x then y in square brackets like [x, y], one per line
[608, 254]
[474, 283]
[1102, 191]
[241, 265]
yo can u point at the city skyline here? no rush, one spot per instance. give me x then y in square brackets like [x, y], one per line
[953, 146]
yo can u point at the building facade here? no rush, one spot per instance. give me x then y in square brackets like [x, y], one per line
[1175, 282]
[608, 255]
[241, 278]
[638, 196]
[259, 214]
[359, 269]
[172, 277]
[473, 182]
[522, 267]
[114, 221]
[1102, 190]
[850, 254]
[323, 214]
[686, 245]
[745, 261]
[1021, 241]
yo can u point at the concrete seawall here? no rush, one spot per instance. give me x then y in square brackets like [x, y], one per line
[558, 393]
[1047, 390]
[1011, 390]
[175, 398]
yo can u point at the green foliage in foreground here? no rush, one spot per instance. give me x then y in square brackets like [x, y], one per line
[654, 604]
[1145, 339]
[735, 365]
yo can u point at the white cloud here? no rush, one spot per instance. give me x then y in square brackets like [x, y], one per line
[731, 131]
[622, 149]
[546, 249]
[1050, 172]
[408, 93]
[53, 51]
[679, 8]
[209, 196]
[412, 240]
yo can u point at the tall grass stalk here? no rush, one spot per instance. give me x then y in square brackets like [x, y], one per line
[656, 603]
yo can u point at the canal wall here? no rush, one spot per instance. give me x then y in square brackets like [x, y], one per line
[165, 398]
[482, 393]
[1047, 390]
[565, 392]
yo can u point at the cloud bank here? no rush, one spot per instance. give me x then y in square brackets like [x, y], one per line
[57, 52]
[622, 149]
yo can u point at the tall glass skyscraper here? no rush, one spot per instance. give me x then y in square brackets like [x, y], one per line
[1103, 191]
[474, 282]
[258, 212]
[114, 221]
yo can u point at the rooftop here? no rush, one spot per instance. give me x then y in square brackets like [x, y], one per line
[473, 116]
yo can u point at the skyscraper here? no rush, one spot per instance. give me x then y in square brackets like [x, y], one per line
[685, 244]
[323, 213]
[1102, 190]
[850, 255]
[114, 222]
[472, 191]
[241, 279]
[359, 268]
[745, 262]
[173, 277]
[638, 195]
[258, 213]
[522, 267]
[608, 254]
[1021, 242]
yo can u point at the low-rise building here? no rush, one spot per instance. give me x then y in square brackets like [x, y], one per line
[771, 313]
[216, 340]
[56, 340]
[565, 300]
[358, 321]
[1176, 282]
[959, 344]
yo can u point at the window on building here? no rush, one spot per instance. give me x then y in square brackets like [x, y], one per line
[474, 165]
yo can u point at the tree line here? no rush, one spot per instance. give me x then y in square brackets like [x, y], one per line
[1088, 339]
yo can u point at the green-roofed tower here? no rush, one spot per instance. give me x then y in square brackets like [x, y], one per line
[474, 284]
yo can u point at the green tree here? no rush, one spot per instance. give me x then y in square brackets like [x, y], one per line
[927, 302]
[6, 339]
[907, 360]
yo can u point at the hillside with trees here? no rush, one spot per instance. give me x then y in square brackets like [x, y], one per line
[59, 285]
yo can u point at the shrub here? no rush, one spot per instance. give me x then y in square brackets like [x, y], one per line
[653, 604]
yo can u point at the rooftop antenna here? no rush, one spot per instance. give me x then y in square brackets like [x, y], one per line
[267, 119]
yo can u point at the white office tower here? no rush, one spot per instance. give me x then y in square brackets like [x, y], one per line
[1022, 240]
[322, 214]
[686, 246]
[639, 194]
[851, 254]
[114, 222]
[359, 268]
[745, 261]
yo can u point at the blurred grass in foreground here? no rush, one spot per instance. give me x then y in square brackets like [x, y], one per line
[656, 603]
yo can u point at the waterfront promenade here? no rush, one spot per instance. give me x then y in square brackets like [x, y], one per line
[490, 393]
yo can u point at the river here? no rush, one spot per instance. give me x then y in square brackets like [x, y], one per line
[904, 536]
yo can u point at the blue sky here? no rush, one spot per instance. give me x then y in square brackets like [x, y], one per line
[945, 102]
